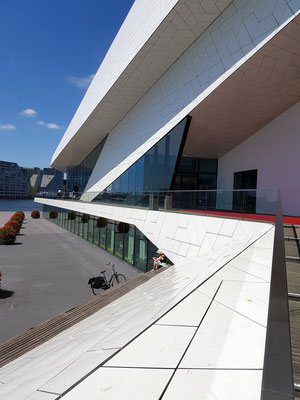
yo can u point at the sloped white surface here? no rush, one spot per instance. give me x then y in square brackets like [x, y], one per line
[58, 364]
[122, 383]
[214, 385]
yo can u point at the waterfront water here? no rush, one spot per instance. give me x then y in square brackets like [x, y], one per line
[16, 205]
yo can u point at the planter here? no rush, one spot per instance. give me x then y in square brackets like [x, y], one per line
[53, 214]
[35, 214]
[123, 227]
[101, 222]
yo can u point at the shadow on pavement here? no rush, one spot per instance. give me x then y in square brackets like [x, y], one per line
[5, 294]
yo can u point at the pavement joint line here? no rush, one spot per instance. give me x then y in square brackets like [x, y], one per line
[189, 344]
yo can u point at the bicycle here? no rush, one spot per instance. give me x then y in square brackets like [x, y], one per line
[98, 283]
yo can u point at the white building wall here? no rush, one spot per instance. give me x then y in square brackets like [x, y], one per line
[275, 152]
[243, 28]
[180, 236]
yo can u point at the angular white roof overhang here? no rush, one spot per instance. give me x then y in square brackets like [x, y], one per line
[150, 40]
[256, 93]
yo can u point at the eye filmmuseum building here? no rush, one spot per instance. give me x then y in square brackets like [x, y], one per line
[188, 140]
[195, 107]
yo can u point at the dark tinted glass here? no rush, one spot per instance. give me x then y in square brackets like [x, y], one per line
[110, 236]
[154, 171]
[129, 245]
[77, 177]
[121, 239]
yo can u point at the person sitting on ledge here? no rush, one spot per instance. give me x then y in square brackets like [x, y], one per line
[158, 261]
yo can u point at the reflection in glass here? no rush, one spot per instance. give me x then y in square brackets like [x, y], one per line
[129, 245]
[77, 177]
[85, 225]
[90, 230]
[155, 169]
[80, 225]
[119, 238]
[96, 233]
[110, 236]
[77, 222]
[118, 247]
[140, 251]
[103, 237]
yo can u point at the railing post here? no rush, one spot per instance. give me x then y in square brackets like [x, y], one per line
[278, 370]
[168, 201]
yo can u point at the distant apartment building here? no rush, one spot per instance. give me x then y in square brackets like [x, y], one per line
[13, 182]
[52, 180]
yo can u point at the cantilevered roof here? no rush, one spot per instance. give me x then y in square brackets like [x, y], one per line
[152, 37]
[256, 93]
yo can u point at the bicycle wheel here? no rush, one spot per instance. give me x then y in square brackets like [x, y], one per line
[119, 278]
[96, 290]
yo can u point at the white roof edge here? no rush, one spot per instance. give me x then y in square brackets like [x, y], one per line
[153, 36]
[118, 58]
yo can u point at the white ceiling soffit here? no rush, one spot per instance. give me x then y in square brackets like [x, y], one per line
[154, 34]
[255, 94]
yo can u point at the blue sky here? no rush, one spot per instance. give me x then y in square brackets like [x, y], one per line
[49, 49]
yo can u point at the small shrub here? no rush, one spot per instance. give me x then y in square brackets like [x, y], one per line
[7, 235]
[53, 214]
[15, 225]
[101, 222]
[17, 218]
[35, 214]
[72, 215]
[20, 214]
[12, 227]
[85, 218]
[122, 227]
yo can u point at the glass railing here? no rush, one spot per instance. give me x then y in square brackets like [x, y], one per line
[234, 201]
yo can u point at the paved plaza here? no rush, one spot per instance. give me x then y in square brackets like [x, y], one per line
[47, 269]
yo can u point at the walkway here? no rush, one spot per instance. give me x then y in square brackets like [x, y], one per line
[47, 269]
[197, 328]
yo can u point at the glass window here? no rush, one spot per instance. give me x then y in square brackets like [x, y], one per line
[65, 219]
[119, 236]
[90, 229]
[124, 182]
[129, 245]
[139, 175]
[96, 233]
[110, 236]
[131, 179]
[76, 229]
[208, 165]
[140, 251]
[116, 186]
[80, 225]
[151, 253]
[77, 177]
[154, 171]
[103, 237]
[85, 223]
[72, 223]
